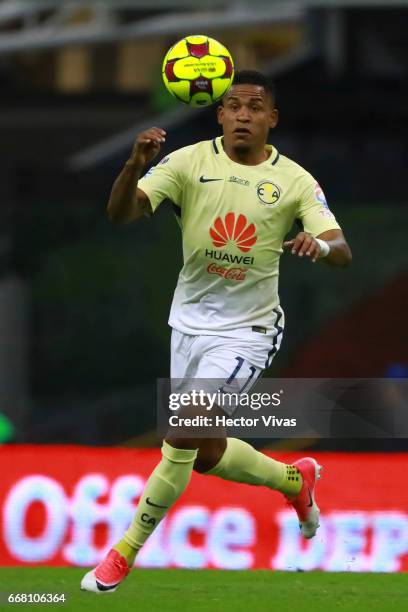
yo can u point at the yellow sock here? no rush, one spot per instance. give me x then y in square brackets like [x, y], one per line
[242, 463]
[165, 485]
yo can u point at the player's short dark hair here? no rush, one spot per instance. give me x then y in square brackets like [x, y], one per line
[253, 77]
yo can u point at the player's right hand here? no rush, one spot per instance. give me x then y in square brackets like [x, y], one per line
[147, 146]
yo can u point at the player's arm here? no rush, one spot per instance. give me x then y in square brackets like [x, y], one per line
[322, 237]
[305, 245]
[127, 202]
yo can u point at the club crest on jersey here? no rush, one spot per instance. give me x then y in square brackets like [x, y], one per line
[268, 193]
[233, 229]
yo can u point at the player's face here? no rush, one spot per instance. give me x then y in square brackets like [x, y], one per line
[247, 115]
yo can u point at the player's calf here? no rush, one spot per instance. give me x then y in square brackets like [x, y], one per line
[165, 485]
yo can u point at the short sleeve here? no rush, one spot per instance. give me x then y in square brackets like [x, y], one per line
[165, 181]
[313, 210]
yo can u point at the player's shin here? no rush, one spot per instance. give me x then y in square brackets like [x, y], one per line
[165, 485]
[243, 463]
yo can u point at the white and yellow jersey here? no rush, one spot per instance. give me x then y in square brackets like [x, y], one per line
[234, 219]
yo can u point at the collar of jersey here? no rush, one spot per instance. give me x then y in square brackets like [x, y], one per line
[272, 158]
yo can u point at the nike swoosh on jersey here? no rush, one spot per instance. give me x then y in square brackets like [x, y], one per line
[208, 180]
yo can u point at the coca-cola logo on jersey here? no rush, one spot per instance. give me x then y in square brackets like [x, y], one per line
[235, 230]
[236, 274]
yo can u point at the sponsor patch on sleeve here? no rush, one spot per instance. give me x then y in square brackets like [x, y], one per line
[325, 212]
[320, 197]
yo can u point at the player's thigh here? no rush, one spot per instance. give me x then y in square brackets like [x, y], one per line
[194, 425]
[227, 366]
[234, 372]
[183, 359]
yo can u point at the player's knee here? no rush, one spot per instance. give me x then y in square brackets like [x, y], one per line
[209, 454]
[182, 443]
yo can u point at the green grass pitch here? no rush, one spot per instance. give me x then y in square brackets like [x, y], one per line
[224, 591]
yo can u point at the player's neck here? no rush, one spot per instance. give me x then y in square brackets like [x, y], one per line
[246, 157]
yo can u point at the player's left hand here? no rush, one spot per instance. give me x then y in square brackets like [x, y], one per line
[303, 245]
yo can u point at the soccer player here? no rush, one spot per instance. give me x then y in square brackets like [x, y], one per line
[236, 198]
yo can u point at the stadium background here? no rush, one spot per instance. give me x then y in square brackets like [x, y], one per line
[83, 305]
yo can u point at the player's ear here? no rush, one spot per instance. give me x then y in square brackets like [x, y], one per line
[220, 114]
[273, 118]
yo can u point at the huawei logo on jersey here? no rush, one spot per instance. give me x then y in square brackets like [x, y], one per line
[233, 228]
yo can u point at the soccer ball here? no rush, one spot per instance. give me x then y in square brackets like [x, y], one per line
[198, 70]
